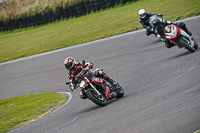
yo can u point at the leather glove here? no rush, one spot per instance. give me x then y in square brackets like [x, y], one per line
[90, 65]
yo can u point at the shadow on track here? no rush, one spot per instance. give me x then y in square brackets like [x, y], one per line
[96, 107]
[155, 42]
[181, 55]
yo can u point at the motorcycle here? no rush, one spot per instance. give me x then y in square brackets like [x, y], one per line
[180, 38]
[96, 89]
[158, 34]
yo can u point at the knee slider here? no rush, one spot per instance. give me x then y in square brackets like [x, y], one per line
[96, 72]
[99, 73]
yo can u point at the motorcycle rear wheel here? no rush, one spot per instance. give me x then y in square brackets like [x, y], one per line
[186, 45]
[195, 45]
[101, 101]
[120, 92]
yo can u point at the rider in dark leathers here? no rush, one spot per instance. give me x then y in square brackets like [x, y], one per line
[161, 24]
[75, 70]
[144, 20]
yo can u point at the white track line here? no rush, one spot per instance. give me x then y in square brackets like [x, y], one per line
[178, 76]
[197, 131]
[63, 125]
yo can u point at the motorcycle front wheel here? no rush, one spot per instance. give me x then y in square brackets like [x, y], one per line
[97, 99]
[184, 42]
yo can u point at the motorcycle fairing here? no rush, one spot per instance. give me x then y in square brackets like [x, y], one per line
[107, 92]
[102, 84]
[86, 83]
[171, 32]
[99, 85]
[98, 80]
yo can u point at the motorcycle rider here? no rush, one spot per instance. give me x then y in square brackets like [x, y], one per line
[75, 70]
[144, 20]
[161, 24]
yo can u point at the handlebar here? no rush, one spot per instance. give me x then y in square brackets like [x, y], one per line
[81, 75]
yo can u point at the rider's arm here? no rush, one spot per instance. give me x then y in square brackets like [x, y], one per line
[87, 64]
[75, 73]
[79, 69]
[166, 22]
[146, 24]
[143, 25]
[71, 78]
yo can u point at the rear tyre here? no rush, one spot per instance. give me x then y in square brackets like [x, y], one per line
[120, 92]
[99, 100]
[184, 42]
[195, 44]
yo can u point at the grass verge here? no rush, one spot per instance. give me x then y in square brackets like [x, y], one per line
[25, 109]
[103, 24]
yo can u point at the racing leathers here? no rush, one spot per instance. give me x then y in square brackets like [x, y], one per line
[145, 23]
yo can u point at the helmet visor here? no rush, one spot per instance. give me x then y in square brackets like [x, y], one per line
[68, 65]
[142, 15]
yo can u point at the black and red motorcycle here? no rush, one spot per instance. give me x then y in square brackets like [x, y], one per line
[180, 38]
[96, 89]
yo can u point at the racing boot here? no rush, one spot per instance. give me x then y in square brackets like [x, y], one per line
[82, 96]
[162, 39]
[112, 82]
[168, 44]
[112, 95]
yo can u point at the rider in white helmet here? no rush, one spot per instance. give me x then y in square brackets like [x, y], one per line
[144, 20]
[142, 13]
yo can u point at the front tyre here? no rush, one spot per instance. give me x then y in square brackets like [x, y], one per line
[97, 99]
[185, 43]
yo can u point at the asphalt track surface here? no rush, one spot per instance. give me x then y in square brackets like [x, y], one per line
[162, 86]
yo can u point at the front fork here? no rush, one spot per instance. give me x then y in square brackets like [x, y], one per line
[93, 86]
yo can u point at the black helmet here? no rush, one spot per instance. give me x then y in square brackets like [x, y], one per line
[69, 63]
[156, 22]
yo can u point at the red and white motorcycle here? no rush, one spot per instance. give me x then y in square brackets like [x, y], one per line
[96, 89]
[180, 38]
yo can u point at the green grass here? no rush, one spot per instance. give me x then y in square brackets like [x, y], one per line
[24, 109]
[30, 41]
[120, 19]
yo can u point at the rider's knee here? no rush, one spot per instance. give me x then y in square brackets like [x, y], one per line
[98, 72]
[148, 32]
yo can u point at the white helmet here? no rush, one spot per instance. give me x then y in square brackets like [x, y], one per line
[142, 13]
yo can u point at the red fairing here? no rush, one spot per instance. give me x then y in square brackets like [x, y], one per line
[107, 92]
[86, 83]
[98, 80]
[172, 32]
